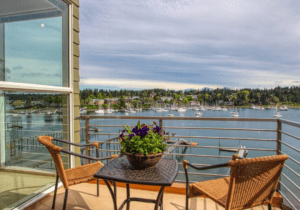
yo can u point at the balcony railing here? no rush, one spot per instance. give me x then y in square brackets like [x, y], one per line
[271, 137]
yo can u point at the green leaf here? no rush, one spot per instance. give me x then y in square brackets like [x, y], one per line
[139, 125]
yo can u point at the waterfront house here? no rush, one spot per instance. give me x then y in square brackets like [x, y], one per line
[95, 101]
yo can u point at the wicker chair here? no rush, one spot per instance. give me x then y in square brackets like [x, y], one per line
[74, 175]
[252, 182]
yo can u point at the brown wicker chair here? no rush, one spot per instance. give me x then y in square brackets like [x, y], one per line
[252, 182]
[74, 175]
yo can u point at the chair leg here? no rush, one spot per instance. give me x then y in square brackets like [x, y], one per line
[55, 190]
[115, 190]
[187, 202]
[65, 200]
[97, 187]
[269, 207]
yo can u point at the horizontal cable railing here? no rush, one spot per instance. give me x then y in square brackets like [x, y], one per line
[289, 188]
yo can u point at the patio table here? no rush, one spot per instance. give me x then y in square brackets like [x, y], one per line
[120, 170]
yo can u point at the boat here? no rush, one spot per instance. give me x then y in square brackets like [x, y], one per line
[100, 111]
[108, 111]
[126, 113]
[159, 110]
[283, 108]
[254, 107]
[218, 109]
[224, 109]
[235, 114]
[181, 110]
[198, 114]
[277, 114]
[170, 115]
[202, 108]
[132, 111]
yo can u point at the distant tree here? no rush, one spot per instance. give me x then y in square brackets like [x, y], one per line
[275, 100]
[177, 96]
[18, 103]
[100, 96]
[185, 101]
[134, 103]
[190, 98]
[122, 103]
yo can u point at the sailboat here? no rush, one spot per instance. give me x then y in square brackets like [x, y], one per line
[234, 113]
[277, 113]
[100, 111]
[198, 114]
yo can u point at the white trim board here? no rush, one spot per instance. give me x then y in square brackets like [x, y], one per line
[16, 86]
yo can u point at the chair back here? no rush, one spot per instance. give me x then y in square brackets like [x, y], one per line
[55, 153]
[253, 180]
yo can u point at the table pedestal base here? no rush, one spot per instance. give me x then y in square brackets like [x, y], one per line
[158, 201]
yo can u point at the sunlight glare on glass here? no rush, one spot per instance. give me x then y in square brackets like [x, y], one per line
[42, 25]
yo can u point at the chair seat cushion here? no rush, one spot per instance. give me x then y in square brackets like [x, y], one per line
[82, 173]
[216, 189]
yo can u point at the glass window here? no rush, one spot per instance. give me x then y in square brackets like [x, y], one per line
[27, 116]
[23, 117]
[34, 46]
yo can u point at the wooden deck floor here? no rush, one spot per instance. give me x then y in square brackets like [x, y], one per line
[83, 197]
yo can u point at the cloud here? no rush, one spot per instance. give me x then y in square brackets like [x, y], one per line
[191, 41]
[141, 84]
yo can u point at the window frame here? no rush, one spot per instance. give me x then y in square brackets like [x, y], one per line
[16, 86]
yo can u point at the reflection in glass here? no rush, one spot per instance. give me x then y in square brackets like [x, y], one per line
[27, 116]
[34, 45]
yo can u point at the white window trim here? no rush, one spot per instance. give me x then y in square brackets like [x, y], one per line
[17, 86]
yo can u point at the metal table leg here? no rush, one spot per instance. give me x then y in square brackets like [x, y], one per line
[113, 194]
[128, 196]
[159, 198]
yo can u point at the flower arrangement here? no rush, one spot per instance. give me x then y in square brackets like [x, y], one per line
[142, 139]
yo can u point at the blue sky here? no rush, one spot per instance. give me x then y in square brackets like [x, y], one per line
[184, 44]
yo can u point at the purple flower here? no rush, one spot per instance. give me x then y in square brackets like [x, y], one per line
[121, 135]
[131, 135]
[123, 131]
[156, 129]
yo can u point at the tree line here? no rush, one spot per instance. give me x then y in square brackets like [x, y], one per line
[240, 97]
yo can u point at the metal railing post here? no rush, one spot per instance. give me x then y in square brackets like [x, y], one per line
[278, 144]
[87, 140]
[278, 139]
[160, 123]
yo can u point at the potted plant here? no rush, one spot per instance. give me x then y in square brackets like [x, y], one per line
[143, 145]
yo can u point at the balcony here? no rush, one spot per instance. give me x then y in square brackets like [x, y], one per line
[83, 196]
[267, 137]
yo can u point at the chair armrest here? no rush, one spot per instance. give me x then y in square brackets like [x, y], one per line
[78, 145]
[186, 164]
[87, 157]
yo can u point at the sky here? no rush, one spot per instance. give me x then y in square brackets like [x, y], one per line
[189, 44]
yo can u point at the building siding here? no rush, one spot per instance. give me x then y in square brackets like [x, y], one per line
[76, 54]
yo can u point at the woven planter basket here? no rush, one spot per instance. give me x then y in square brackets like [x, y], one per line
[140, 161]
